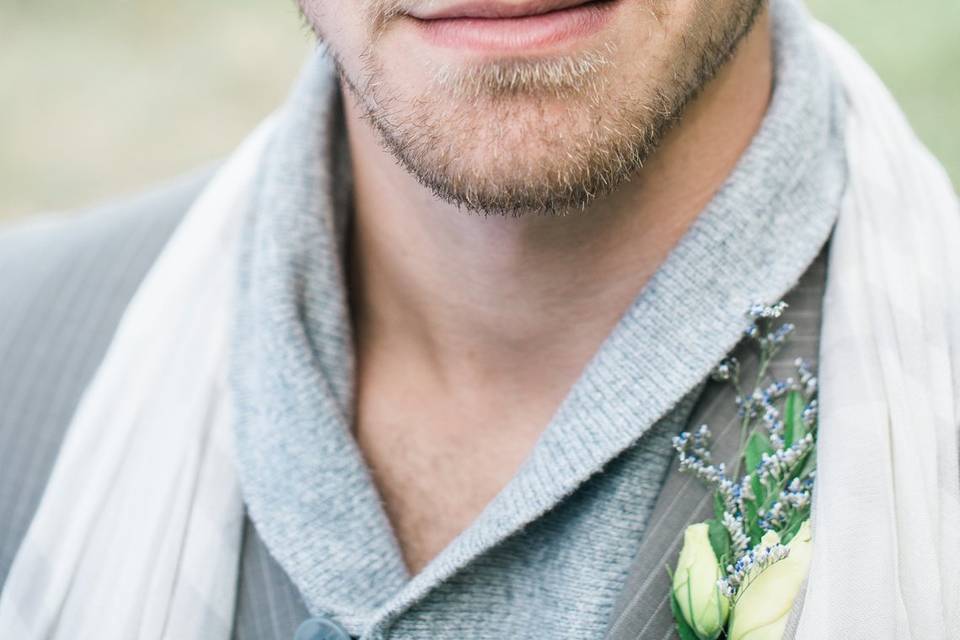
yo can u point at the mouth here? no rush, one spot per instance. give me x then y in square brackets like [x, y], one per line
[497, 26]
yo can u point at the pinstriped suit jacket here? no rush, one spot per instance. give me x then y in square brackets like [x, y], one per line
[64, 283]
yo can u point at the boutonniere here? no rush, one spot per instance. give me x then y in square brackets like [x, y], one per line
[739, 573]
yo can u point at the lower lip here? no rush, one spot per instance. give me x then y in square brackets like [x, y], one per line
[518, 34]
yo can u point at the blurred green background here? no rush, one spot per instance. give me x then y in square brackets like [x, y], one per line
[100, 98]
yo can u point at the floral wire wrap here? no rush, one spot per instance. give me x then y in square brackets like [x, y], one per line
[778, 422]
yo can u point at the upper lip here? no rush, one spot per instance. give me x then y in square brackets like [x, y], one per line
[494, 9]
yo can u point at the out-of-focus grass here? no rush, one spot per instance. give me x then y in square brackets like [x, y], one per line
[915, 47]
[101, 97]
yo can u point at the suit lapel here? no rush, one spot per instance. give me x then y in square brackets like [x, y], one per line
[643, 609]
[269, 607]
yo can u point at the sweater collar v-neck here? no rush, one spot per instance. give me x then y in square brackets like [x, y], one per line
[303, 477]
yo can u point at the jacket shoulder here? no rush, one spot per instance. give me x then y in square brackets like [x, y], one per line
[64, 282]
[33, 247]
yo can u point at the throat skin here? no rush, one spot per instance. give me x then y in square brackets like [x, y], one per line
[471, 330]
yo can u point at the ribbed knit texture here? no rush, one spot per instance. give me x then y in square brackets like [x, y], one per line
[548, 557]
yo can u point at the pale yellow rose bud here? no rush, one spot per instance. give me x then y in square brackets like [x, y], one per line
[695, 584]
[764, 606]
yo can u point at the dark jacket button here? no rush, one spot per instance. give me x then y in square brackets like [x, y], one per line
[321, 628]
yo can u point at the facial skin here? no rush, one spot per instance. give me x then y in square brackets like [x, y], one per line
[545, 131]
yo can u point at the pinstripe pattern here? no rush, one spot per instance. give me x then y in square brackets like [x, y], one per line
[643, 610]
[268, 605]
[68, 280]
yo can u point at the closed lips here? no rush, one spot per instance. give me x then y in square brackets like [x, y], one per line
[499, 27]
[494, 10]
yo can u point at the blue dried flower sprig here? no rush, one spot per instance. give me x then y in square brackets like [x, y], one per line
[771, 484]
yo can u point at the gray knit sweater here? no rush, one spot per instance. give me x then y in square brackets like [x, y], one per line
[548, 557]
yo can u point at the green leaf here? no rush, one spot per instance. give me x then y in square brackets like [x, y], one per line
[793, 427]
[796, 521]
[750, 524]
[719, 540]
[718, 506]
[684, 630]
[759, 489]
[803, 467]
[809, 464]
[757, 445]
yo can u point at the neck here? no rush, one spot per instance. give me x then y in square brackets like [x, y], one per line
[481, 301]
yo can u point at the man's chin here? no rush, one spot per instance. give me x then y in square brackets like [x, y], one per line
[493, 166]
[522, 151]
[512, 190]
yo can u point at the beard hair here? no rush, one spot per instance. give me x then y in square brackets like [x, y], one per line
[431, 142]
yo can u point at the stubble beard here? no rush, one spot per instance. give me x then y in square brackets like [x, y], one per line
[540, 137]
